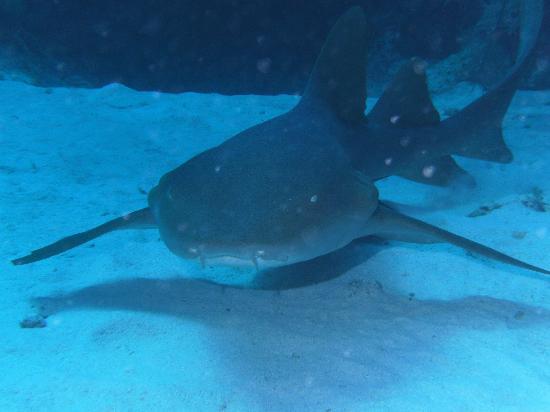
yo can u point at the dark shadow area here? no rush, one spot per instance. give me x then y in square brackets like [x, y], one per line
[261, 47]
[446, 21]
[321, 269]
[345, 341]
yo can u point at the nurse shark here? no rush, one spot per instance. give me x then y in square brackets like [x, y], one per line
[302, 184]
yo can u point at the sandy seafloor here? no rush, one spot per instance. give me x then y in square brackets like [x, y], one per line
[404, 328]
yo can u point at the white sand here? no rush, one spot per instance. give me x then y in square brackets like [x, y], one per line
[143, 335]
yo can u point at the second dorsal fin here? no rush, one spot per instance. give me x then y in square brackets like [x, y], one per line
[406, 101]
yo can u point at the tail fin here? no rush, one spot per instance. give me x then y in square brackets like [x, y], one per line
[142, 218]
[390, 224]
[479, 123]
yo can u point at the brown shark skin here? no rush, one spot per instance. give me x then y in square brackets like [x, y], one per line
[301, 185]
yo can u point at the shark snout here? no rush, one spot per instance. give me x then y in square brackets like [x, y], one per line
[212, 252]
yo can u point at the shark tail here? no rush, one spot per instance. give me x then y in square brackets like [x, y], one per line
[480, 123]
[391, 224]
[140, 219]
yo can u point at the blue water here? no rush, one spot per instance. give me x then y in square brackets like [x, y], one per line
[121, 324]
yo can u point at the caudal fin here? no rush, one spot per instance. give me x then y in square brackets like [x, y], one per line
[135, 220]
[480, 123]
[389, 224]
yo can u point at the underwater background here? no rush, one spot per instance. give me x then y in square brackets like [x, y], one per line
[100, 99]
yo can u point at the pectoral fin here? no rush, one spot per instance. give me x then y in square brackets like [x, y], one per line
[389, 224]
[140, 219]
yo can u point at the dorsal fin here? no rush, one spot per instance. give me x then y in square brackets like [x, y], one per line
[339, 75]
[406, 101]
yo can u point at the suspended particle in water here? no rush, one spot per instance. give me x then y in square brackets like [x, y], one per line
[426, 109]
[428, 171]
[264, 65]
[419, 66]
[405, 140]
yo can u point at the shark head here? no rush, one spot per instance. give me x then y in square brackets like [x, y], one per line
[278, 193]
[283, 191]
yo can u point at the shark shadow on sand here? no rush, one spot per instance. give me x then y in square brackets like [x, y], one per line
[318, 347]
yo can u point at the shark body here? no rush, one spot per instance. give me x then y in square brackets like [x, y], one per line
[301, 185]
